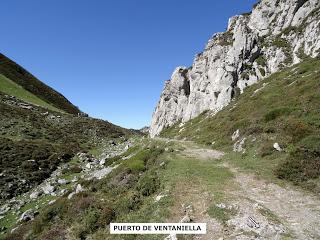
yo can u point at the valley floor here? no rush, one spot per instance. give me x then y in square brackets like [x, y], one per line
[175, 181]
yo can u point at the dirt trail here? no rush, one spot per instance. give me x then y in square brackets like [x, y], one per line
[298, 212]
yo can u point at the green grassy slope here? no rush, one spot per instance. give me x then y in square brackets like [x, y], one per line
[11, 88]
[20, 76]
[284, 109]
[46, 136]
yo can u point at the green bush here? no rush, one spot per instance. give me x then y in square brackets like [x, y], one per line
[277, 112]
[297, 129]
[148, 184]
[301, 166]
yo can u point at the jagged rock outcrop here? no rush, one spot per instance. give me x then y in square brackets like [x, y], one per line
[277, 33]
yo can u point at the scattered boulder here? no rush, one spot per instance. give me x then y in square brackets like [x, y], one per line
[277, 147]
[235, 135]
[79, 188]
[35, 194]
[63, 181]
[239, 145]
[221, 205]
[71, 195]
[171, 237]
[102, 161]
[28, 215]
[159, 197]
[185, 219]
[48, 189]
[62, 192]
[52, 201]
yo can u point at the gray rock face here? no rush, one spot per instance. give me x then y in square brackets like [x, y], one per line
[276, 34]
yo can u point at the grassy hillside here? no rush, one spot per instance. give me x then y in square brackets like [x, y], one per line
[11, 88]
[20, 76]
[283, 109]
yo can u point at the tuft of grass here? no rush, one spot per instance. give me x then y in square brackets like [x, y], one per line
[277, 112]
[221, 214]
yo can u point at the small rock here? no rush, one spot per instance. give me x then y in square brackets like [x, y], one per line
[171, 237]
[48, 189]
[159, 197]
[185, 219]
[71, 195]
[62, 192]
[28, 215]
[35, 194]
[51, 202]
[277, 147]
[239, 146]
[102, 162]
[79, 188]
[75, 179]
[235, 135]
[63, 181]
[221, 205]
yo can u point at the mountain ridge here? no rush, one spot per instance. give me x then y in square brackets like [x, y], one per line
[274, 35]
[25, 79]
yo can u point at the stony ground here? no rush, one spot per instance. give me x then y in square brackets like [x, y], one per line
[199, 185]
[251, 207]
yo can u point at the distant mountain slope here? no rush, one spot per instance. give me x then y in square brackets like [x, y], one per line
[20, 76]
[38, 133]
[11, 88]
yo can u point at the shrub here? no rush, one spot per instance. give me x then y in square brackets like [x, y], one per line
[266, 149]
[297, 129]
[277, 112]
[301, 166]
[55, 233]
[148, 184]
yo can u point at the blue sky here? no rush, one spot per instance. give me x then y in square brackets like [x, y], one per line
[111, 57]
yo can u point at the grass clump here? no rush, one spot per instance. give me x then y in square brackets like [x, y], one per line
[277, 112]
[221, 214]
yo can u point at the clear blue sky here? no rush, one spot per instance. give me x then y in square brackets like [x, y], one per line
[111, 57]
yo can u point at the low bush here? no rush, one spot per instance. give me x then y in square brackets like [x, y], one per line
[277, 112]
[300, 166]
[148, 184]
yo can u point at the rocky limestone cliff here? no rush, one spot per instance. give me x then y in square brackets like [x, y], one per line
[277, 33]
